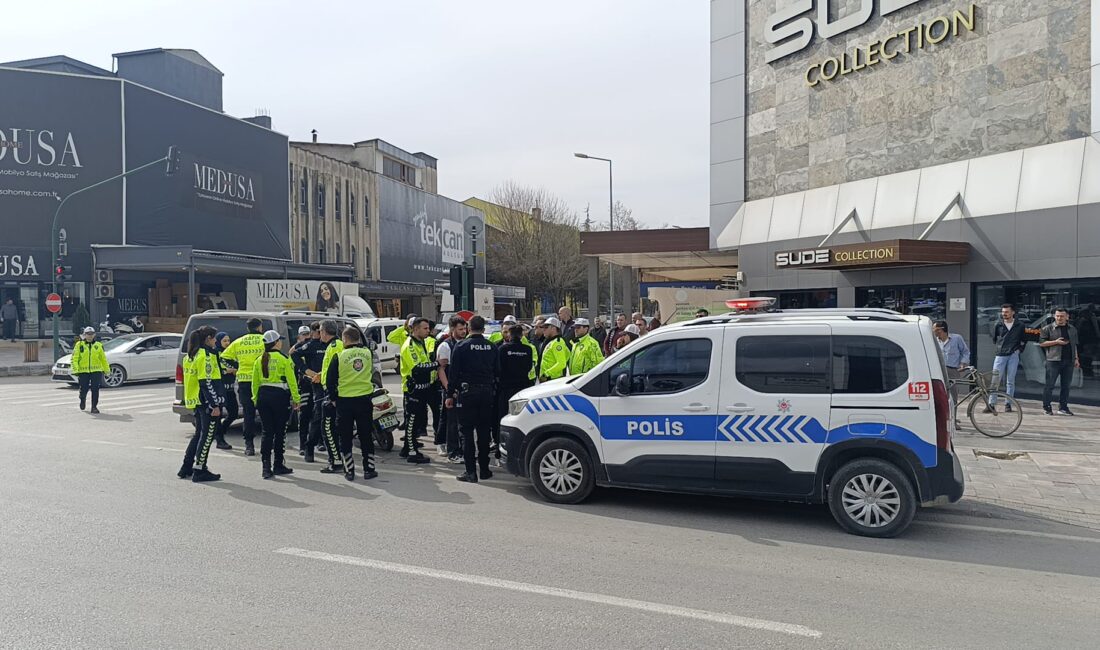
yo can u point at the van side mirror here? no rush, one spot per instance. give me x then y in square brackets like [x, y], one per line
[622, 385]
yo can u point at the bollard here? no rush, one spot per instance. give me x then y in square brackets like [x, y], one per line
[30, 351]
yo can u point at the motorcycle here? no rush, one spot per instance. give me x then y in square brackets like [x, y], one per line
[132, 325]
[385, 419]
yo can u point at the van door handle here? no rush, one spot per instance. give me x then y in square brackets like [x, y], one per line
[740, 408]
[696, 407]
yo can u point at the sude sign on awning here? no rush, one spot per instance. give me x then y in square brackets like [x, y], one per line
[870, 255]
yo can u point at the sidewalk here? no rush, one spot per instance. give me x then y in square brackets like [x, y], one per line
[1049, 468]
[12, 364]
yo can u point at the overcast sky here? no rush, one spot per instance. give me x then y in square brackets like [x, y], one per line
[495, 89]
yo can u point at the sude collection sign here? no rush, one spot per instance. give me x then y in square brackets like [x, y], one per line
[792, 29]
[896, 252]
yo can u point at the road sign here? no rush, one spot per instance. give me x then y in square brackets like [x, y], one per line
[53, 303]
[466, 315]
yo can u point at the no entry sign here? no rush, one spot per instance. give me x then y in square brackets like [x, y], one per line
[53, 303]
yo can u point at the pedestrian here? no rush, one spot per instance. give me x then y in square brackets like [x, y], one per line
[639, 322]
[554, 358]
[9, 315]
[565, 315]
[350, 381]
[1008, 336]
[1059, 341]
[229, 384]
[330, 339]
[418, 369]
[496, 338]
[475, 370]
[275, 393]
[89, 364]
[956, 355]
[244, 351]
[449, 440]
[586, 353]
[297, 354]
[611, 343]
[202, 392]
[630, 334]
[599, 332]
[655, 322]
[517, 371]
[538, 332]
[702, 313]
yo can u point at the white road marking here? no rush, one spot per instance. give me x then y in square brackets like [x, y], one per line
[645, 606]
[140, 405]
[178, 451]
[105, 442]
[167, 409]
[104, 399]
[1009, 531]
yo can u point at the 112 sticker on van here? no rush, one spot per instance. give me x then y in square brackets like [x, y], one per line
[919, 391]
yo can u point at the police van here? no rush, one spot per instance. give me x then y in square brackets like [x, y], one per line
[844, 406]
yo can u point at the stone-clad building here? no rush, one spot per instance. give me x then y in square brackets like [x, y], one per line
[930, 156]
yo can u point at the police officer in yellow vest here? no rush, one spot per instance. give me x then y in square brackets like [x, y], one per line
[554, 360]
[418, 370]
[245, 351]
[275, 392]
[586, 353]
[89, 364]
[330, 337]
[349, 383]
[203, 392]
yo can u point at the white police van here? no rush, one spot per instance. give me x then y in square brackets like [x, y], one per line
[848, 407]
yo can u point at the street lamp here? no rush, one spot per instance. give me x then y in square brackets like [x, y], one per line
[611, 225]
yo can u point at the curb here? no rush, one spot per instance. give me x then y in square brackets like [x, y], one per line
[27, 370]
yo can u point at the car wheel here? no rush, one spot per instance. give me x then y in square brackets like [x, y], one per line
[114, 377]
[561, 471]
[872, 498]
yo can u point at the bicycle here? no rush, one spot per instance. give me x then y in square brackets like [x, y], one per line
[982, 414]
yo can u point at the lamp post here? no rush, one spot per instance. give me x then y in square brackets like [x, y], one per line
[611, 226]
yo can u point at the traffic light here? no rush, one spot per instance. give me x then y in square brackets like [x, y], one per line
[62, 272]
[173, 157]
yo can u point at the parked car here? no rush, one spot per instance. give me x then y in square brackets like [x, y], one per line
[132, 357]
[377, 329]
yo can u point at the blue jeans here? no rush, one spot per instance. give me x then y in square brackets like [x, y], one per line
[1005, 367]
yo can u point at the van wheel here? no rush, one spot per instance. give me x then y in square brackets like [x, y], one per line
[561, 471]
[872, 497]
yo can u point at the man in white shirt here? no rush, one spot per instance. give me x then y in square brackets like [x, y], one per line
[447, 437]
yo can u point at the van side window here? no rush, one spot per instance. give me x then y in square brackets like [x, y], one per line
[784, 364]
[667, 367]
[867, 364]
[375, 334]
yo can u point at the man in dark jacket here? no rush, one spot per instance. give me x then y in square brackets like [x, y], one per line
[1008, 336]
[1059, 342]
[614, 334]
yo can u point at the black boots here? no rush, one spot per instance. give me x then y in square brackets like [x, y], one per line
[203, 475]
[94, 411]
[418, 459]
[281, 469]
[249, 449]
[468, 477]
[186, 471]
[486, 474]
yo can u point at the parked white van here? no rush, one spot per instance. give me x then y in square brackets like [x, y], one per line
[848, 407]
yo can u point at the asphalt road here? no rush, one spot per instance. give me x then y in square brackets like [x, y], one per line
[103, 547]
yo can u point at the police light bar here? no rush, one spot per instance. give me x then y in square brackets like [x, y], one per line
[750, 304]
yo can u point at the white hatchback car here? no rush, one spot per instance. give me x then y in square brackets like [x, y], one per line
[845, 407]
[132, 357]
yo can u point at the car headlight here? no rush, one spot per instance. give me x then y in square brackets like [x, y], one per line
[515, 407]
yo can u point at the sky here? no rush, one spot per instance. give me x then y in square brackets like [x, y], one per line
[496, 90]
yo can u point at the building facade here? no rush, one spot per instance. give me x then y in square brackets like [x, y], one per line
[937, 157]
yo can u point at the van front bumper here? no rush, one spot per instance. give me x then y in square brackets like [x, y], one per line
[513, 449]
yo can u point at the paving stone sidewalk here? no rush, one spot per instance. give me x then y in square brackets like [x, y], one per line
[12, 364]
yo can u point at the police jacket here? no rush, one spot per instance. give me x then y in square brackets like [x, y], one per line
[349, 374]
[310, 356]
[202, 379]
[89, 357]
[474, 362]
[517, 363]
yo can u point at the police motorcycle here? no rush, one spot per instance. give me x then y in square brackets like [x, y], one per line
[385, 419]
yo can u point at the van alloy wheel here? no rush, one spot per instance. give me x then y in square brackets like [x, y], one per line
[561, 471]
[871, 500]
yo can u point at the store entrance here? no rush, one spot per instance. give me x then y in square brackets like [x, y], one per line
[917, 300]
[25, 299]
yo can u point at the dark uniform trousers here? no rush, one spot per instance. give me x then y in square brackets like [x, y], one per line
[198, 449]
[230, 411]
[305, 413]
[244, 395]
[90, 381]
[322, 425]
[355, 415]
[273, 403]
[416, 403]
[476, 409]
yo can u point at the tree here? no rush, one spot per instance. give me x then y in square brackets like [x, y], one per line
[624, 217]
[534, 242]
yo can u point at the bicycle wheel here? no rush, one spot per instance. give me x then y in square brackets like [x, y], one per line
[995, 422]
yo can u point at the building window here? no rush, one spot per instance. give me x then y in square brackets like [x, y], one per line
[321, 253]
[399, 171]
[303, 194]
[321, 200]
[339, 258]
[337, 202]
[366, 210]
[305, 252]
[351, 206]
[366, 263]
[355, 261]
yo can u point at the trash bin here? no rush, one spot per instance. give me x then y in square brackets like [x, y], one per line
[30, 351]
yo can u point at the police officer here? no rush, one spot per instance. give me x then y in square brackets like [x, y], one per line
[312, 355]
[398, 337]
[244, 351]
[333, 346]
[350, 383]
[474, 370]
[554, 358]
[418, 370]
[275, 392]
[298, 355]
[497, 338]
[448, 440]
[586, 353]
[517, 371]
[202, 391]
[229, 381]
[89, 363]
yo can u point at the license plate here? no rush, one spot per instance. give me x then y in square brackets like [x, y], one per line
[389, 421]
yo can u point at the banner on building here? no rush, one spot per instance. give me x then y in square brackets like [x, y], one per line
[678, 304]
[301, 295]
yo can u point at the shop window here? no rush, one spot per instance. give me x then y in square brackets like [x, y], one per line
[811, 299]
[792, 364]
[917, 300]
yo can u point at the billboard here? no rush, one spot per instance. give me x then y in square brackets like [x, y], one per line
[58, 134]
[422, 234]
[230, 193]
[302, 295]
